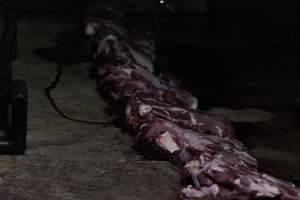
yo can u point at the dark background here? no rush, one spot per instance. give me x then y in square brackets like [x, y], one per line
[229, 54]
[235, 52]
[234, 49]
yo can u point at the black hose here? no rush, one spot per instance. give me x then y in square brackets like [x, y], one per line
[52, 86]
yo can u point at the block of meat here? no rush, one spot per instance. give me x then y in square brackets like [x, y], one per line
[143, 108]
[110, 47]
[212, 165]
[98, 24]
[212, 162]
[115, 40]
[114, 23]
[187, 144]
[115, 82]
[124, 81]
[229, 172]
[97, 29]
[118, 88]
[169, 93]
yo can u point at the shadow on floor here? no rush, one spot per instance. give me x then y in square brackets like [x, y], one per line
[275, 143]
[70, 47]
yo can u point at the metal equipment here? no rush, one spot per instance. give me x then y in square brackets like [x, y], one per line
[13, 94]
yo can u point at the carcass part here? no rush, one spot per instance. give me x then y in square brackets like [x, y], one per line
[143, 108]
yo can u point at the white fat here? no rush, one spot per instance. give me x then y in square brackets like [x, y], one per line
[237, 181]
[166, 142]
[213, 166]
[144, 110]
[192, 192]
[194, 167]
[203, 160]
[273, 179]
[178, 109]
[194, 104]
[201, 124]
[142, 126]
[90, 30]
[127, 70]
[193, 119]
[128, 109]
[219, 130]
[142, 60]
[264, 189]
[160, 92]
[213, 189]
[217, 168]
[226, 146]
[111, 37]
[246, 157]
[219, 156]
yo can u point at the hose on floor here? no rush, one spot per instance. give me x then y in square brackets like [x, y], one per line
[52, 86]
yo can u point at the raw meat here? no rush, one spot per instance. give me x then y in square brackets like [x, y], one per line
[228, 171]
[165, 119]
[170, 94]
[120, 52]
[115, 39]
[143, 108]
[119, 86]
[188, 142]
[211, 164]
[124, 81]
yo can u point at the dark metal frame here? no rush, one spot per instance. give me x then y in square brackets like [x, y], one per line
[13, 94]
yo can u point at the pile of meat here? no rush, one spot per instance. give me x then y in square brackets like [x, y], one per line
[165, 121]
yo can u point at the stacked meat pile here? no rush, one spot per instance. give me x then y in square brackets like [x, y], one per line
[165, 121]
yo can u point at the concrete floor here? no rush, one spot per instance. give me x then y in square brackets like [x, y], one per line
[66, 160]
[273, 137]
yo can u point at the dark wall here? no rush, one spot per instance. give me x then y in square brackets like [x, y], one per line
[280, 8]
[246, 41]
[46, 6]
[136, 6]
[77, 5]
[149, 5]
